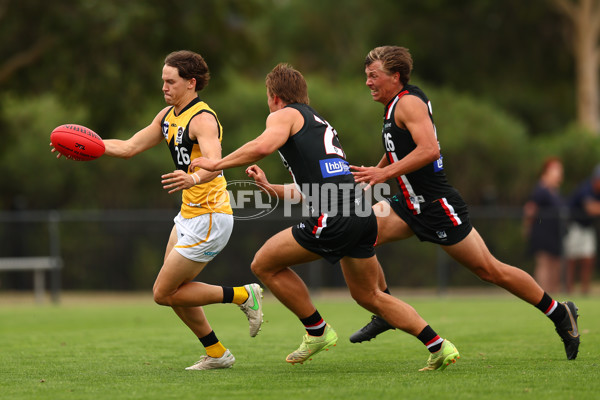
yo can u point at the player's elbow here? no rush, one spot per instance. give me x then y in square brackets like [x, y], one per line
[262, 151]
[433, 154]
[124, 156]
[263, 148]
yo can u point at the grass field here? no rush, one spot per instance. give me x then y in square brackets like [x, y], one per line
[125, 347]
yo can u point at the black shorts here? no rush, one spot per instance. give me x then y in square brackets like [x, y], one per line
[443, 221]
[337, 237]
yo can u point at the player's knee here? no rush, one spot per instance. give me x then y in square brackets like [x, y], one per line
[256, 267]
[161, 298]
[489, 273]
[484, 275]
[365, 300]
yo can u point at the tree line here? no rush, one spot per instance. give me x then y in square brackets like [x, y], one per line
[500, 76]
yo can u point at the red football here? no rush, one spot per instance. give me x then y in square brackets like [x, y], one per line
[77, 142]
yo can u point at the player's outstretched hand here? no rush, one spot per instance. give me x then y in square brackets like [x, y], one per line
[256, 173]
[369, 175]
[58, 153]
[177, 180]
[53, 150]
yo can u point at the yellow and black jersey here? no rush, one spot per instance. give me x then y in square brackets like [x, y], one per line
[206, 197]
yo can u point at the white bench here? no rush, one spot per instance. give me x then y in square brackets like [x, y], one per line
[39, 265]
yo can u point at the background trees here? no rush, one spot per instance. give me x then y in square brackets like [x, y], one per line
[584, 34]
[500, 76]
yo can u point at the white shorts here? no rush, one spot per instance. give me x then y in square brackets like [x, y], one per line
[201, 238]
[580, 242]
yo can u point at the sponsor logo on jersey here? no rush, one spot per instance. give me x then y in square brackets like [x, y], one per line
[165, 129]
[333, 167]
[179, 138]
[438, 164]
[416, 199]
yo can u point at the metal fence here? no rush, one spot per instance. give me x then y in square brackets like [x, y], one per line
[122, 250]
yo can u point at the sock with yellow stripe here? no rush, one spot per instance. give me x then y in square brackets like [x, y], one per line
[213, 347]
[236, 295]
[240, 295]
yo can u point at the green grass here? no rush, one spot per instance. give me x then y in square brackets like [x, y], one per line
[98, 348]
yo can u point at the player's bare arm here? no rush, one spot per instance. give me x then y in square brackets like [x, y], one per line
[205, 129]
[279, 128]
[413, 114]
[410, 113]
[143, 140]
[383, 162]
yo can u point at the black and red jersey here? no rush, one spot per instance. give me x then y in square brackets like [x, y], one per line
[318, 164]
[426, 184]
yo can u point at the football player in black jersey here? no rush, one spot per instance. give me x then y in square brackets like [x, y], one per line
[427, 205]
[311, 150]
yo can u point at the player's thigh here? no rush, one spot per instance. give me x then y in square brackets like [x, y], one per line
[472, 252]
[175, 271]
[361, 275]
[390, 226]
[281, 251]
[171, 243]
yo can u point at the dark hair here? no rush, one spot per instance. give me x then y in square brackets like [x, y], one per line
[288, 84]
[393, 59]
[190, 65]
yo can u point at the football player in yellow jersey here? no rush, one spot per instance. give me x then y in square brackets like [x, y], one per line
[204, 225]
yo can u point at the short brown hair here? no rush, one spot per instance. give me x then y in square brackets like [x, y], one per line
[190, 65]
[288, 84]
[393, 59]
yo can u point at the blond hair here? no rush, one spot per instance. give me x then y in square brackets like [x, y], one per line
[393, 59]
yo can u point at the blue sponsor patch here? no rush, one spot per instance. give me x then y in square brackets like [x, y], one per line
[334, 166]
[438, 164]
[211, 253]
